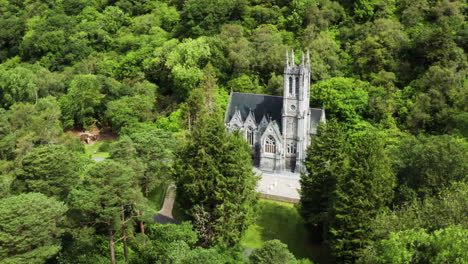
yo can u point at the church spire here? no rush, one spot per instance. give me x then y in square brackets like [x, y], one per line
[302, 59]
[287, 59]
[308, 59]
[292, 58]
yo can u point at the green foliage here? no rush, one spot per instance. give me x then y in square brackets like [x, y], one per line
[80, 103]
[16, 85]
[215, 182]
[31, 225]
[109, 197]
[325, 163]
[272, 252]
[363, 190]
[427, 164]
[52, 170]
[149, 151]
[129, 110]
[204, 17]
[349, 180]
[448, 245]
[389, 67]
[433, 213]
[173, 244]
[343, 98]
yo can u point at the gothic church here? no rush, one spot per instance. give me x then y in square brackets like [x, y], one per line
[279, 128]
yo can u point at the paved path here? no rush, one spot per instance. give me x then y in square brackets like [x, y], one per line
[283, 185]
[165, 214]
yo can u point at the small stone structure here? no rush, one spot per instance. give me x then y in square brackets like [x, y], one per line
[88, 137]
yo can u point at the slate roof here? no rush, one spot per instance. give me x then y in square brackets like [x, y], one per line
[259, 104]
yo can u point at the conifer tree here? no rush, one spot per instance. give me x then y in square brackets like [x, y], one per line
[214, 177]
[361, 192]
[324, 163]
[215, 181]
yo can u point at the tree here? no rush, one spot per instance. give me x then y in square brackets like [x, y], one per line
[441, 92]
[52, 170]
[17, 85]
[176, 244]
[109, 197]
[427, 164]
[129, 110]
[272, 252]
[215, 181]
[205, 17]
[365, 188]
[448, 245]
[79, 106]
[269, 50]
[155, 149]
[30, 228]
[345, 99]
[325, 165]
[432, 213]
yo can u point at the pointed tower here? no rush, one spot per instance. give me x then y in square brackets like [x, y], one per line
[296, 93]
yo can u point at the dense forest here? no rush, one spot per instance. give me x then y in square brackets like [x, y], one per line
[387, 174]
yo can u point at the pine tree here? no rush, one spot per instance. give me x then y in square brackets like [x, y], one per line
[109, 198]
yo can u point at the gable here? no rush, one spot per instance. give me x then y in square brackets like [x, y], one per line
[260, 105]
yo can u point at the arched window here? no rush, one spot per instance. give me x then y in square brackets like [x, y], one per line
[291, 148]
[297, 86]
[250, 136]
[290, 85]
[270, 145]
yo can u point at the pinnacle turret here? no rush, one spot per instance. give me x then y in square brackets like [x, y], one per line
[292, 58]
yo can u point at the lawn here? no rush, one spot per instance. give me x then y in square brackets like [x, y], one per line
[279, 220]
[94, 149]
[156, 196]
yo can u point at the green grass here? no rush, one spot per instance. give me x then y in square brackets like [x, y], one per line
[93, 150]
[156, 196]
[279, 220]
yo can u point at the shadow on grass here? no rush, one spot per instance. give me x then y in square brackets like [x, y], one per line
[156, 196]
[278, 220]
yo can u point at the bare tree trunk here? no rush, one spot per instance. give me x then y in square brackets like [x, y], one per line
[111, 243]
[124, 233]
[142, 227]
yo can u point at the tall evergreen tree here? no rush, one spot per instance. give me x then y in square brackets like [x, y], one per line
[324, 163]
[364, 189]
[214, 177]
[215, 181]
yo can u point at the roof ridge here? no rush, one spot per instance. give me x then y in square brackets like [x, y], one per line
[260, 94]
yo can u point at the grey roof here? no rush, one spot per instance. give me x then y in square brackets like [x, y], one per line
[259, 104]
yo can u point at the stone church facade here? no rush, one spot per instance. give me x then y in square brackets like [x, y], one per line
[279, 128]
